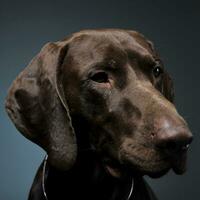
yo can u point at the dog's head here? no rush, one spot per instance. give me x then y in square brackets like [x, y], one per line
[108, 88]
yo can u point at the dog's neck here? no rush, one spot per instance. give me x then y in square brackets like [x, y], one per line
[89, 180]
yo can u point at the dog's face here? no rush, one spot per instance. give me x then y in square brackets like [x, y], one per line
[117, 83]
[120, 99]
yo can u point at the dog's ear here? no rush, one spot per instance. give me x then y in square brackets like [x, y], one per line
[39, 110]
[168, 87]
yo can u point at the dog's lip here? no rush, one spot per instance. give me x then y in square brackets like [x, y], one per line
[131, 170]
[157, 174]
[176, 163]
[179, 164]
[114, 169]
[115, 172]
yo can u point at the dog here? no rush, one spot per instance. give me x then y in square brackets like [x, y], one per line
[101, 105]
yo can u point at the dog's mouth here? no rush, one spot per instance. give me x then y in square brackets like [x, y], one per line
[179, 164]
[154, 168]
[127, 171]
[113, 171]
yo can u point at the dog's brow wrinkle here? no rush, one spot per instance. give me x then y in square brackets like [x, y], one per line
[144, 57]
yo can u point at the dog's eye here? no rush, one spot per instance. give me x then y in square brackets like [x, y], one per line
[157, 71]
[100, 77]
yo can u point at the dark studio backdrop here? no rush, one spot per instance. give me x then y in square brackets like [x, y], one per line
[174, 27]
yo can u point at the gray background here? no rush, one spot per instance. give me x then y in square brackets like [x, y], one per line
[26, 26]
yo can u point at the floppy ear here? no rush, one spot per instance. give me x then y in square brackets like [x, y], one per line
[39, 110]
[167, 87]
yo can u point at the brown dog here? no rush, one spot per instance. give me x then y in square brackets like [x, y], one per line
[100, 104]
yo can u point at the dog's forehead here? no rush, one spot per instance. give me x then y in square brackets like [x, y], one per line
[95, 48]
[101, 44]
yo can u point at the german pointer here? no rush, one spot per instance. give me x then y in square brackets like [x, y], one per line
[100, 104]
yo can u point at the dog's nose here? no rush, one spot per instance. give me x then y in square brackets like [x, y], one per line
[172, 136]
